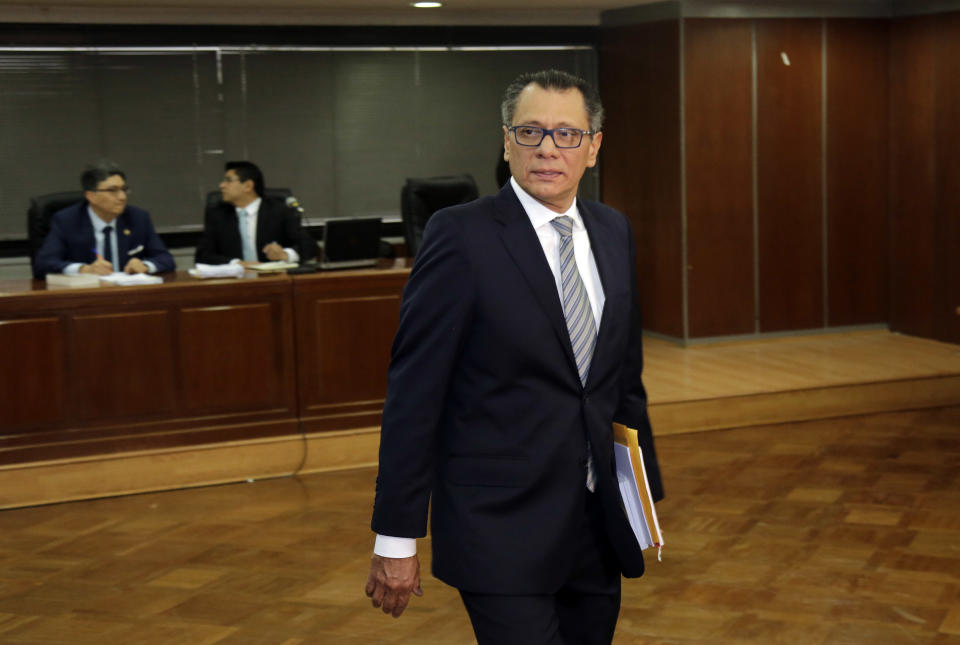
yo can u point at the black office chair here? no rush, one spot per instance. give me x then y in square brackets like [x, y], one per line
[421, 198]
[214, 197]
[42, 208]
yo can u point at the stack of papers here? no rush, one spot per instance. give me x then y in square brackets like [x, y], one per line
[635, 488]
[130, 279]
[234, 270]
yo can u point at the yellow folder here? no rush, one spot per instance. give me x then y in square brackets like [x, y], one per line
[635, 488]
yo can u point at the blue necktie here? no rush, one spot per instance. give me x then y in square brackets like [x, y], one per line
[249, 251]
[578, 314]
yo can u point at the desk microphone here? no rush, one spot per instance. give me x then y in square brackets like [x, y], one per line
[293, 203]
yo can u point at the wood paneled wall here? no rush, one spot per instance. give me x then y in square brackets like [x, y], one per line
[857, 117]
[925, 176]
[819, 170]
[641, 159]
[789, 171]
[719, 127]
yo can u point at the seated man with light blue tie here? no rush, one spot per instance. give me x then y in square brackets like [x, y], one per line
[102, 234]
[250, 227]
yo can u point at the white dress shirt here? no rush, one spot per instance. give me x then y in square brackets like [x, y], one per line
[540, 217]
[253, 210]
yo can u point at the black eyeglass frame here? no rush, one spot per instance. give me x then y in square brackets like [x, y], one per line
[549, 131]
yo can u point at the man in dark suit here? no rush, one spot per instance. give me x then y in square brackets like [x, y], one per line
[102, 234]
[248, 227]
[519, 344]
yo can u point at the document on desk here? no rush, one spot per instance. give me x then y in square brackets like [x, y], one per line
[232, 270]
[635, 488]
[130, 279]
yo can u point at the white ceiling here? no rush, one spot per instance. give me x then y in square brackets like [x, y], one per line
[392, 12]
[315, 12]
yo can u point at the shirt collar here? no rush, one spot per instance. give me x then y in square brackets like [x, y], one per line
[98, 224]
[252, 208]
[539, 214]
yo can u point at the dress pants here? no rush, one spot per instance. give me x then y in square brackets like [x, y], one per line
[583, 612]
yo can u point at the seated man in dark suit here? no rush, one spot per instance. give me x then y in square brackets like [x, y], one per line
[248, 227]
[102, 234]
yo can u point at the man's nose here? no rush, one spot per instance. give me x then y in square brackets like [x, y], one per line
[546, 148]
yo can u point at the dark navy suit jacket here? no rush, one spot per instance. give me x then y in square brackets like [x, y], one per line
[71, 240]
[485, 411]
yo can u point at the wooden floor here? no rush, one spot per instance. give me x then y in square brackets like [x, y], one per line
[839, 531]
[836, 532]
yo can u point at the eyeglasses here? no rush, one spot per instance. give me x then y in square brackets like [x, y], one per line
[227, 180]
[115, 190]
[531, 135]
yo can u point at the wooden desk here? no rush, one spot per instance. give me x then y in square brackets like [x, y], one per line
[345, 322]
[190, 381]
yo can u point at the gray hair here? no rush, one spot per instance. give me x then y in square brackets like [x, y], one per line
[553, 79]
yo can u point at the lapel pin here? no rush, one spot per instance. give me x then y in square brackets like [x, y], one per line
[126, 231]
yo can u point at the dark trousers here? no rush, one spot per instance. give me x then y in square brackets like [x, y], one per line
[583, 612]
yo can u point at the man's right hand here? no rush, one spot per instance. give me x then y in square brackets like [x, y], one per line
[98, 266]
[391, 581]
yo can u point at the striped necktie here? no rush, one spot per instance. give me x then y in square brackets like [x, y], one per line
[576, 304]
[578, 314]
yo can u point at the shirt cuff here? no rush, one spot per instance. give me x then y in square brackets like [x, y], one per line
[151, 267]
[72, 269]
[292, 256]
[395, 547]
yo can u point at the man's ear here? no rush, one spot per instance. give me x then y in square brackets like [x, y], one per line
[594, 149]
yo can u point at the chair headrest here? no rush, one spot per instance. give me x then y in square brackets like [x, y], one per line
[52, 202]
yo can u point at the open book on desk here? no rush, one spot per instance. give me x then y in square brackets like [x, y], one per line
[273, 267]
[635, 488]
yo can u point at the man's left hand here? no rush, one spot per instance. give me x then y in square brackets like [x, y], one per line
[391, 581]
[136, 265]
[274, 252]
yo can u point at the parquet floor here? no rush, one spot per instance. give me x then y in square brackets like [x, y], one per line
[836, 532]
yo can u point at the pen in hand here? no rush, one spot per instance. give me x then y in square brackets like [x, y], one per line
[98, 266]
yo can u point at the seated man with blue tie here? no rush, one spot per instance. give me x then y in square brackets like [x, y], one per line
[102, 234]
[249, 227]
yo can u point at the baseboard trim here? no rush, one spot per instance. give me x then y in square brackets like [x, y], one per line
[804, 405]
[64, 480]
[89, 477]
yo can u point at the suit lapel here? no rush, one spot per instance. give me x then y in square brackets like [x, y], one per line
[233, 244]
[263, 221]
[85, 227]
[122, 226]
[524, 247]
[603, 241]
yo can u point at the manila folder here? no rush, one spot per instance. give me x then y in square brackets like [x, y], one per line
[635, 489]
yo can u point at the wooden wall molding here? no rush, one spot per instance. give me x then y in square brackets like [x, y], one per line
[51, 481]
